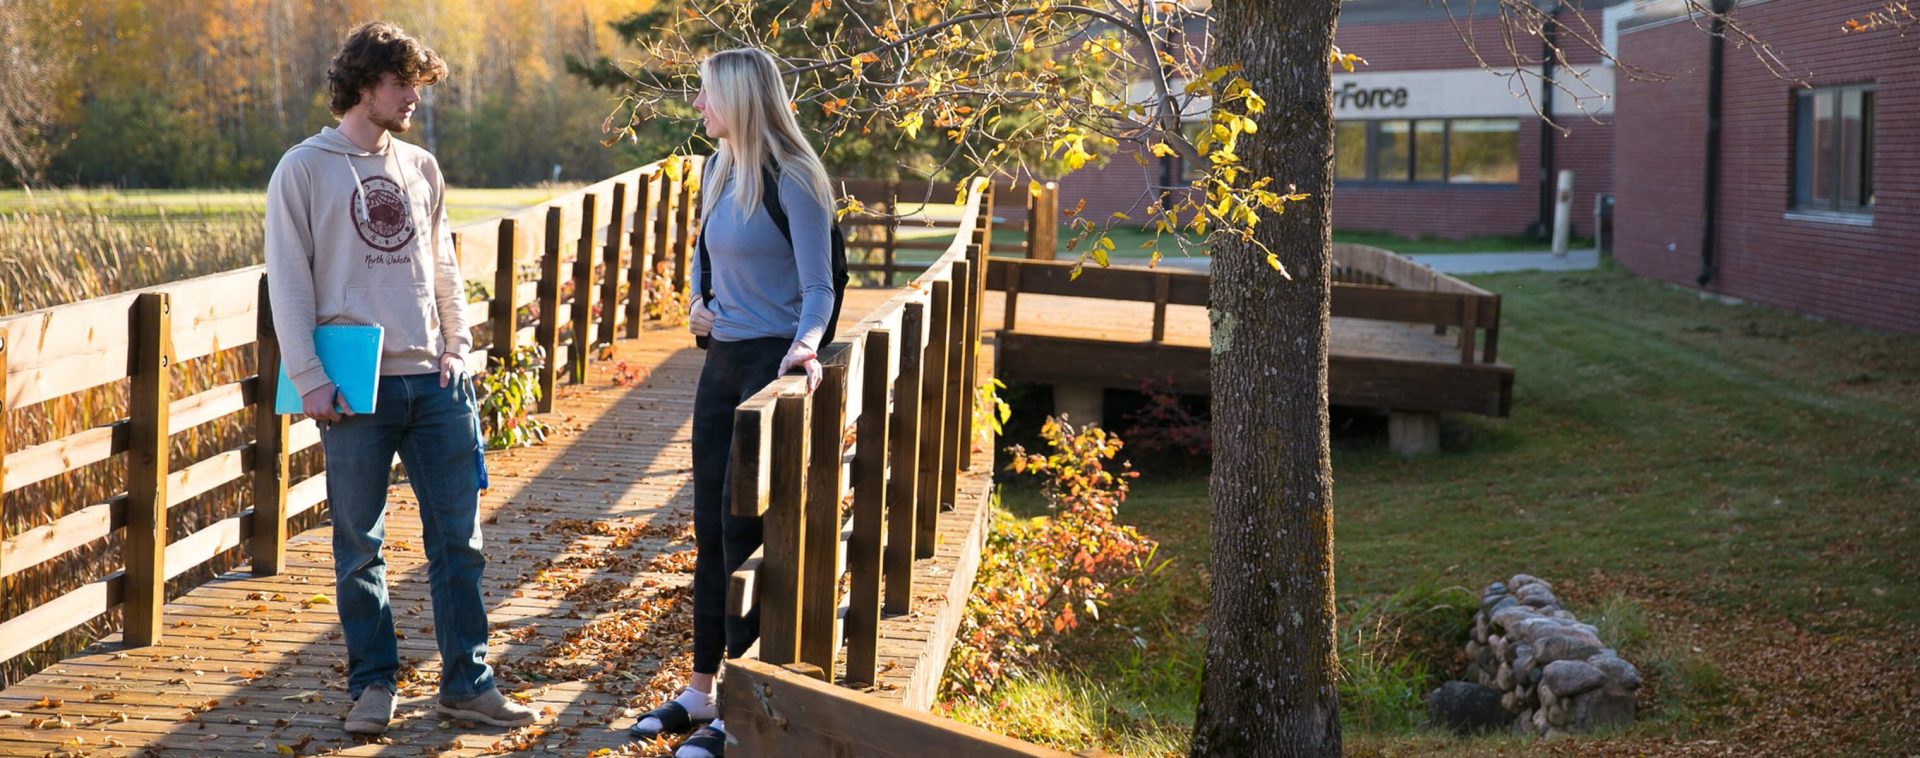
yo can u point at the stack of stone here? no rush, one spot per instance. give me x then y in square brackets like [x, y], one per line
[1552, 672]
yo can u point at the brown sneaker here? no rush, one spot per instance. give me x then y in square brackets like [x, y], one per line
[489, 707]
[372, 712]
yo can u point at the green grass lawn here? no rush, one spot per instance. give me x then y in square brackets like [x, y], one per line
[1430, 246]
[1727, 490]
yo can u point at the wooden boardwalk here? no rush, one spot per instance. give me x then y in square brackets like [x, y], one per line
[589, 538]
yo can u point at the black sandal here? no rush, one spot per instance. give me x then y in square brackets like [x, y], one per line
[673, 717]
[707, 738]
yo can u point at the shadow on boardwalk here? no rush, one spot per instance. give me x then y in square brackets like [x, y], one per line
[589, 539]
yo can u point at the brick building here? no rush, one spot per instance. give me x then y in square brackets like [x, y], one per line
[1430, 142]
[1817, 203]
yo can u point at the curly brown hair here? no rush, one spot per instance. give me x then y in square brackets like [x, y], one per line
[373, 49]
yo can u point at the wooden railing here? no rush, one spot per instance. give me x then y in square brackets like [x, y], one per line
[892, 205]
[891, 425]
[606, 235]
[1369, 284]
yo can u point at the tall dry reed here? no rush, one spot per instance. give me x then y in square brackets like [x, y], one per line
[56, 256]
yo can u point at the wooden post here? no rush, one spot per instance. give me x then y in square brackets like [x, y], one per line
[1492, 352]
[1011, 309]
[610, 273]
[582, 348]
[1162, 282]
[146, 544]
[820, 590]
[957, 389]
[871, 445]
[976, 297]
[547, 332]
[933, 436]
[904, 457]
[1032, 227]
[643, 211]
[962, 389]
[689, 212]
[268, 542]
[663, 232]
[682, 229]
[1469, 312]
[784, 552]
[7, 593]
[1045, 238]
[505, 312]
[891, 250]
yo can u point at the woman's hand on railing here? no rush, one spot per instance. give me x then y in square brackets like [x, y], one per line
[799, 357]
[699, 319]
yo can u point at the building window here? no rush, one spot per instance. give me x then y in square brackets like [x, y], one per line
[1428, 151]
[1833, 150]
[1350, 151]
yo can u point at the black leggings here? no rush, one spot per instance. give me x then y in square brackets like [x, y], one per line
[734, 371]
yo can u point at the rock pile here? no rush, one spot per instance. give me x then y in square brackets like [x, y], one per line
[1552, 671]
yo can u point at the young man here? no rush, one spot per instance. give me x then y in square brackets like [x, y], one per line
[357, 233]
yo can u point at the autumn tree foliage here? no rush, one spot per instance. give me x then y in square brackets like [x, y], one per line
[138, 93]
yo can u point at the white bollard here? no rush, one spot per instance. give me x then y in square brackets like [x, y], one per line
[1563, 213]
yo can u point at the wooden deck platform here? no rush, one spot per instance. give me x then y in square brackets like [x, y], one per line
[590, 542]
[1108, 343]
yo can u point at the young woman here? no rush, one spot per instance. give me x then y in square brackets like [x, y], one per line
[769, 306]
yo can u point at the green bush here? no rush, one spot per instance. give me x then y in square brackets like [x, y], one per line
[508, 394]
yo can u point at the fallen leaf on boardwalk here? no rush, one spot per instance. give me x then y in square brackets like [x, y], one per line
[47, 702]
[103, 697]
[7, 714]
[317, 599]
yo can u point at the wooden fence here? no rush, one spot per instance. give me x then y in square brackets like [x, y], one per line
[889, 428]
[892, 205]
[605, 238]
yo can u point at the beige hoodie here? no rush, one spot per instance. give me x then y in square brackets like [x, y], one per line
[358, 237]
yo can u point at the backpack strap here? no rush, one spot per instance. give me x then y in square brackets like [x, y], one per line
[706, 261]
[770, 199]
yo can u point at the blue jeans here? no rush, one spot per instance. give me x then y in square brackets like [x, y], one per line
[436, 431]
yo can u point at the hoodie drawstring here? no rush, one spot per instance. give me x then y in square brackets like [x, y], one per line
[360, 195]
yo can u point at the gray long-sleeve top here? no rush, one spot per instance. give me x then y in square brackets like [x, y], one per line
[762, 286]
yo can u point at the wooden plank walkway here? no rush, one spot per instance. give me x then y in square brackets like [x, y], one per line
[590, 542]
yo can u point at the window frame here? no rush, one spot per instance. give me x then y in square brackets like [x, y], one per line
[1801, 158]
[1372, 153]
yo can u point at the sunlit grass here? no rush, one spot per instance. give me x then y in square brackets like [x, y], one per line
[1748, 461]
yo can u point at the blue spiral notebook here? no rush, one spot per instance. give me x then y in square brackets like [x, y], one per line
[351, 355]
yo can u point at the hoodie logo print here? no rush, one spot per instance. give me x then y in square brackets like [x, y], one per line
[387, 224]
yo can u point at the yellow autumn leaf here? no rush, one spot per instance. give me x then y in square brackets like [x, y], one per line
[1026, 45]
[1161, 150]
[911, 124]
[319, 599]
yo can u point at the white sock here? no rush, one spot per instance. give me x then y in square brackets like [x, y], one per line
[699, 707]
[689, 751]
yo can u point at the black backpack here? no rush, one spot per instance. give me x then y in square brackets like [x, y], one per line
[770, 199]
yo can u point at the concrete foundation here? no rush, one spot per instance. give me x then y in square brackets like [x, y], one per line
[1412, 433]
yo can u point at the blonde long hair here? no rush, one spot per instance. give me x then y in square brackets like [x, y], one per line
[744, 84]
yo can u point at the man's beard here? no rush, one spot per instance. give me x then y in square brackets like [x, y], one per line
[395, 125]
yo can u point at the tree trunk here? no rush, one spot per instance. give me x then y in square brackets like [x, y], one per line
[1269, 683]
